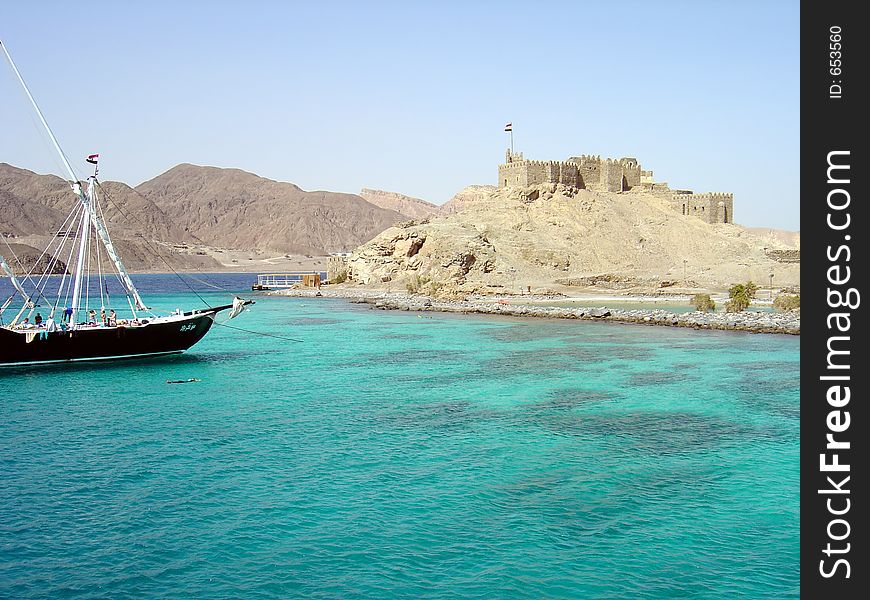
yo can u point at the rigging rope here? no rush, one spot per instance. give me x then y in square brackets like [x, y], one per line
[280, 337]
[88, 269]
[117, 274]
[27, 273]
[148, 244]
[66, 273]
[100, 277]
[55, 256]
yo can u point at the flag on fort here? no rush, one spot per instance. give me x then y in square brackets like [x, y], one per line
[509, 127]
[93, 158]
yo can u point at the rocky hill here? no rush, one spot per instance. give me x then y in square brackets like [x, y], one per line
[27, 259]
[465, 197]
[38, 205]
[484, 239]
[781, 236]
[179, 218]
[235, 209]
[29, 201]
[35, 207]
[410, 207]
[556, 238]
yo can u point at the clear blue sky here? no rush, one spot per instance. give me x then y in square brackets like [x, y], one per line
[413, 96]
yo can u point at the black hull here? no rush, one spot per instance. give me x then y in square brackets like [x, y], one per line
[105, 343]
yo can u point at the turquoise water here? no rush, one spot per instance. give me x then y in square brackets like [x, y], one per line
[391, 454]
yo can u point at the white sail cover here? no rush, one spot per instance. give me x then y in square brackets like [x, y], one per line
[238, 307]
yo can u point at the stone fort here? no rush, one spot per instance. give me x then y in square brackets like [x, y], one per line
[613, 175]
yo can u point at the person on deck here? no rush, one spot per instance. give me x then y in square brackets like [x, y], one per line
[67, 314]
[92, 317]
[37, 320]
[113, 318]
[50, 325]
[103, 316]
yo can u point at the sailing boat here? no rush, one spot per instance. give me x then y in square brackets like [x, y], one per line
[72, 331]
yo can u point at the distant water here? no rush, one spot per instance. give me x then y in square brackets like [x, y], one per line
[391, 454]
[155, 288]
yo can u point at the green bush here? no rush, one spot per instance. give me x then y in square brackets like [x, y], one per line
[751, 289]
[340, 277]
[741, 296]
[703, 303]
[787, 302]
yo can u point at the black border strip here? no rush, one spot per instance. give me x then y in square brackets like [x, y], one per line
[834, 560]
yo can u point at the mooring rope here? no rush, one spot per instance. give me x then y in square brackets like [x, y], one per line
[280, 337]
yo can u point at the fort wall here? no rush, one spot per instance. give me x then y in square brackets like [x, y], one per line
[630, 171]
[612, 175]
[513, 174]
[336, 268]
[712, 207]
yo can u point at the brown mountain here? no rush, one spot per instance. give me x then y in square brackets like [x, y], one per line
[236, 209]
[36, 206]
[28, 201]
[191, 206]
[411, 207]
[27, 259]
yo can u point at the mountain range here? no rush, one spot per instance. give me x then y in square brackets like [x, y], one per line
[207, 218]
[189, 206]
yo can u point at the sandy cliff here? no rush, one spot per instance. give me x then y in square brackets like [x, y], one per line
[466, 197]
[558, 238]
[408, 206]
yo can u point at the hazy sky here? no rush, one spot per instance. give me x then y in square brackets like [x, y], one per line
[413, 96]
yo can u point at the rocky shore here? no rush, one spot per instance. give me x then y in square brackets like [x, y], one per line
[755, 322]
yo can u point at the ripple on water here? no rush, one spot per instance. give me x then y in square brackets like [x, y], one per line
[391, 456]
[657, 378]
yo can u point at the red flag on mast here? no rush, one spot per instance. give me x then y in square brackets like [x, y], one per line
[509, 127]
[93, 158]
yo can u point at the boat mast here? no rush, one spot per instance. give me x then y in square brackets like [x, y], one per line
[84, 234]
[54, 141]
[103, 234]
[86, 201]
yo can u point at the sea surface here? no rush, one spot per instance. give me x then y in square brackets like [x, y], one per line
[344, 452]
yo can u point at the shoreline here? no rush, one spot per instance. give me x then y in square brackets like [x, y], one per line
[752, 322]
